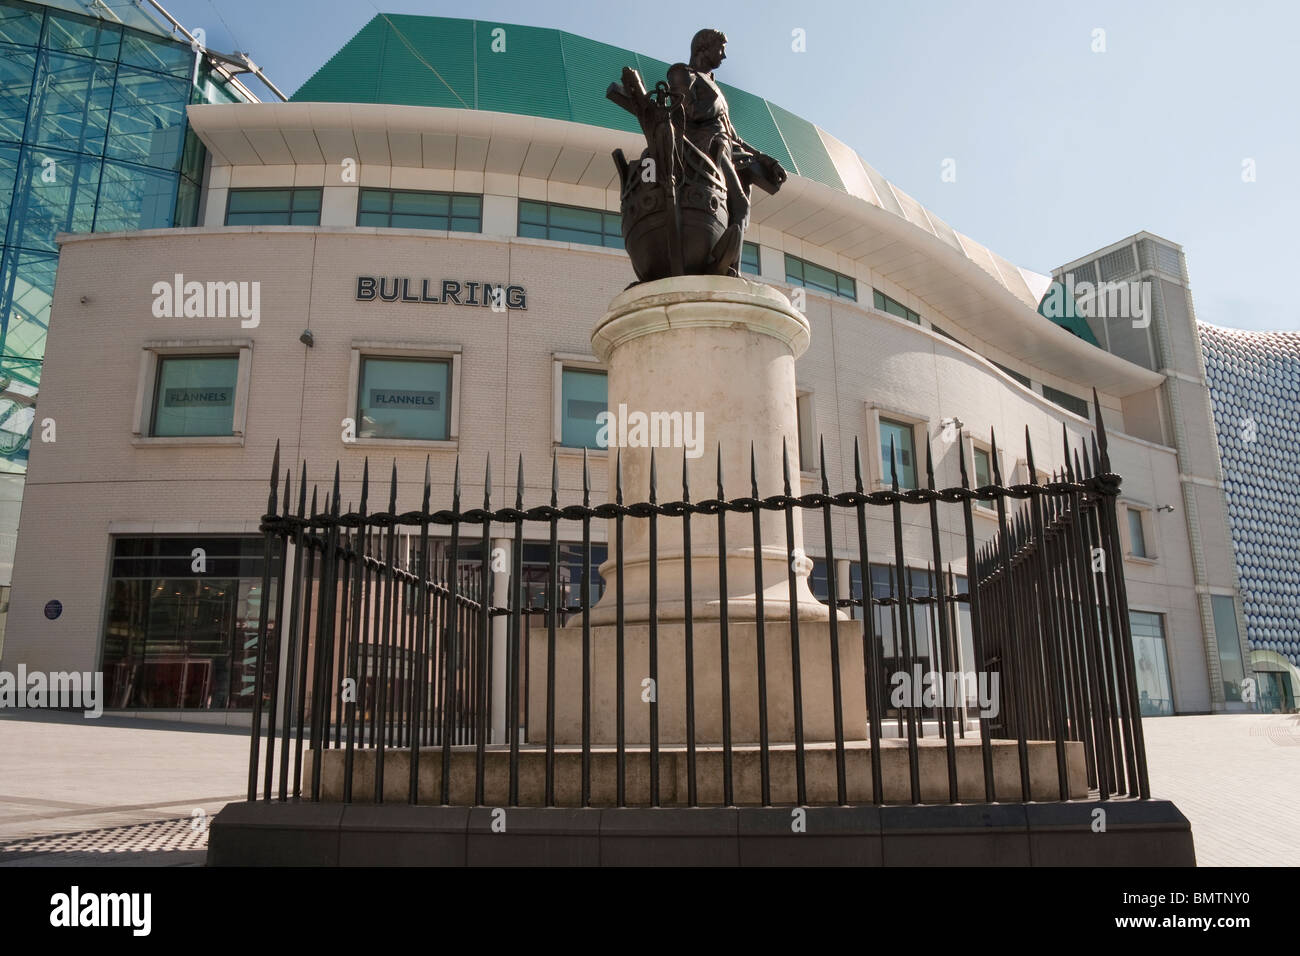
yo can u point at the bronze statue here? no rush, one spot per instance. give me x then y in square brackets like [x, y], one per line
[685, 204]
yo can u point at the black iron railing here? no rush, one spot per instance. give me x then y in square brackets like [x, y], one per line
[390, 637]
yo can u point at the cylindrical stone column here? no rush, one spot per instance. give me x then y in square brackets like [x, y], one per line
[696, 363]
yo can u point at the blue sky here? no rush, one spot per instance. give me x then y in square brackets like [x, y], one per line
[1059, 149]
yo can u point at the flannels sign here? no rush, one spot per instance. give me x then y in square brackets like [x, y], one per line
[491, 295]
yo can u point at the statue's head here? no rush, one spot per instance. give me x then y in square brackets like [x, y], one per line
[708, 50]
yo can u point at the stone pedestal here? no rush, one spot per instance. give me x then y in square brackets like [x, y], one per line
[815, 648]
[705, 362]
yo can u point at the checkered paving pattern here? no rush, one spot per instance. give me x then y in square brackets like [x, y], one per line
[159, 843]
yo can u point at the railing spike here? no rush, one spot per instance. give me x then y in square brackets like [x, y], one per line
[686, 481]
[993, 457]
[392, 488]
[487, 483]
[929, 461]
[586, 478]
[519, 485]
[618, 476]
[785, 465]
[302, 490]
[821, 457]
[857, 466]
[428, 487]
[753, 472]
[336, 487]
[893, 465]
[1029, 458]
[455, 486]
[555, 479]
[654, 477]
[721, 494]
[1101, 434]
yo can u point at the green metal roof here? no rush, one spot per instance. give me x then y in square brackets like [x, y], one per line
[441, 61]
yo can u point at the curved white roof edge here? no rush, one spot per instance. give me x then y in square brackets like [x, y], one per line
[874, 224]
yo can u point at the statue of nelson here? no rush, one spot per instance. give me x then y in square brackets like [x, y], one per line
[708, 127]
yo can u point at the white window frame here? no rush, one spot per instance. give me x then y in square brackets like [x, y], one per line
[559, 362]
[1146, 515]
[371, 348]
[875, 412]
[147, 381]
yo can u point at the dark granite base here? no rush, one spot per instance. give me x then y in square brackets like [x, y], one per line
[1137, 833]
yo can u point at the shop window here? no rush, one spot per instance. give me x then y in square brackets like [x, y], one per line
[195, 396]
[404, 398]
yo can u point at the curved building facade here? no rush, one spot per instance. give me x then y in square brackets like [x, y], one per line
[413, 270]
[1254, 382]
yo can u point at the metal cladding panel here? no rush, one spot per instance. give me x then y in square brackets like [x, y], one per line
[589, 68]
[809, 151]
[752, 117]
[350, 75]
[526, 75]
[428, 61]
[1254, 380]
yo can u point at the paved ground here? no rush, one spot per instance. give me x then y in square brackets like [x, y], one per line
[105, 792]
[1237, 778]
[126, 792]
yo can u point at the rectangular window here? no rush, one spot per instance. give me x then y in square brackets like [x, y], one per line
[592, 227]
[812, 276]
[1137, 539]
[397, 209]
[1151, 662]
[1065, 400]
[885, 304]
[1229, 641]
[749, 258]
[176, 637]
[983, 475]
[585, 394]
[902, 436]
[273, 207]
[404, 398]
[195, 396]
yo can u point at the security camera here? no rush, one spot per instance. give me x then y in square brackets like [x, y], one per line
[307, 338]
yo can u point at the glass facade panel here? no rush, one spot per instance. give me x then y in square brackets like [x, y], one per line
[749, 258]
[585, 395]
[885, 304]
[902, 436]
[148, 125]
[1229, 640]
[179, 637]
[195, 396]
[405, 398]
[74, 90]
[1151, 663]
[70, 103]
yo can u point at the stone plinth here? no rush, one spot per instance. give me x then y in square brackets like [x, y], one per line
[670, 687]
[746, 774]
[718, 352]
